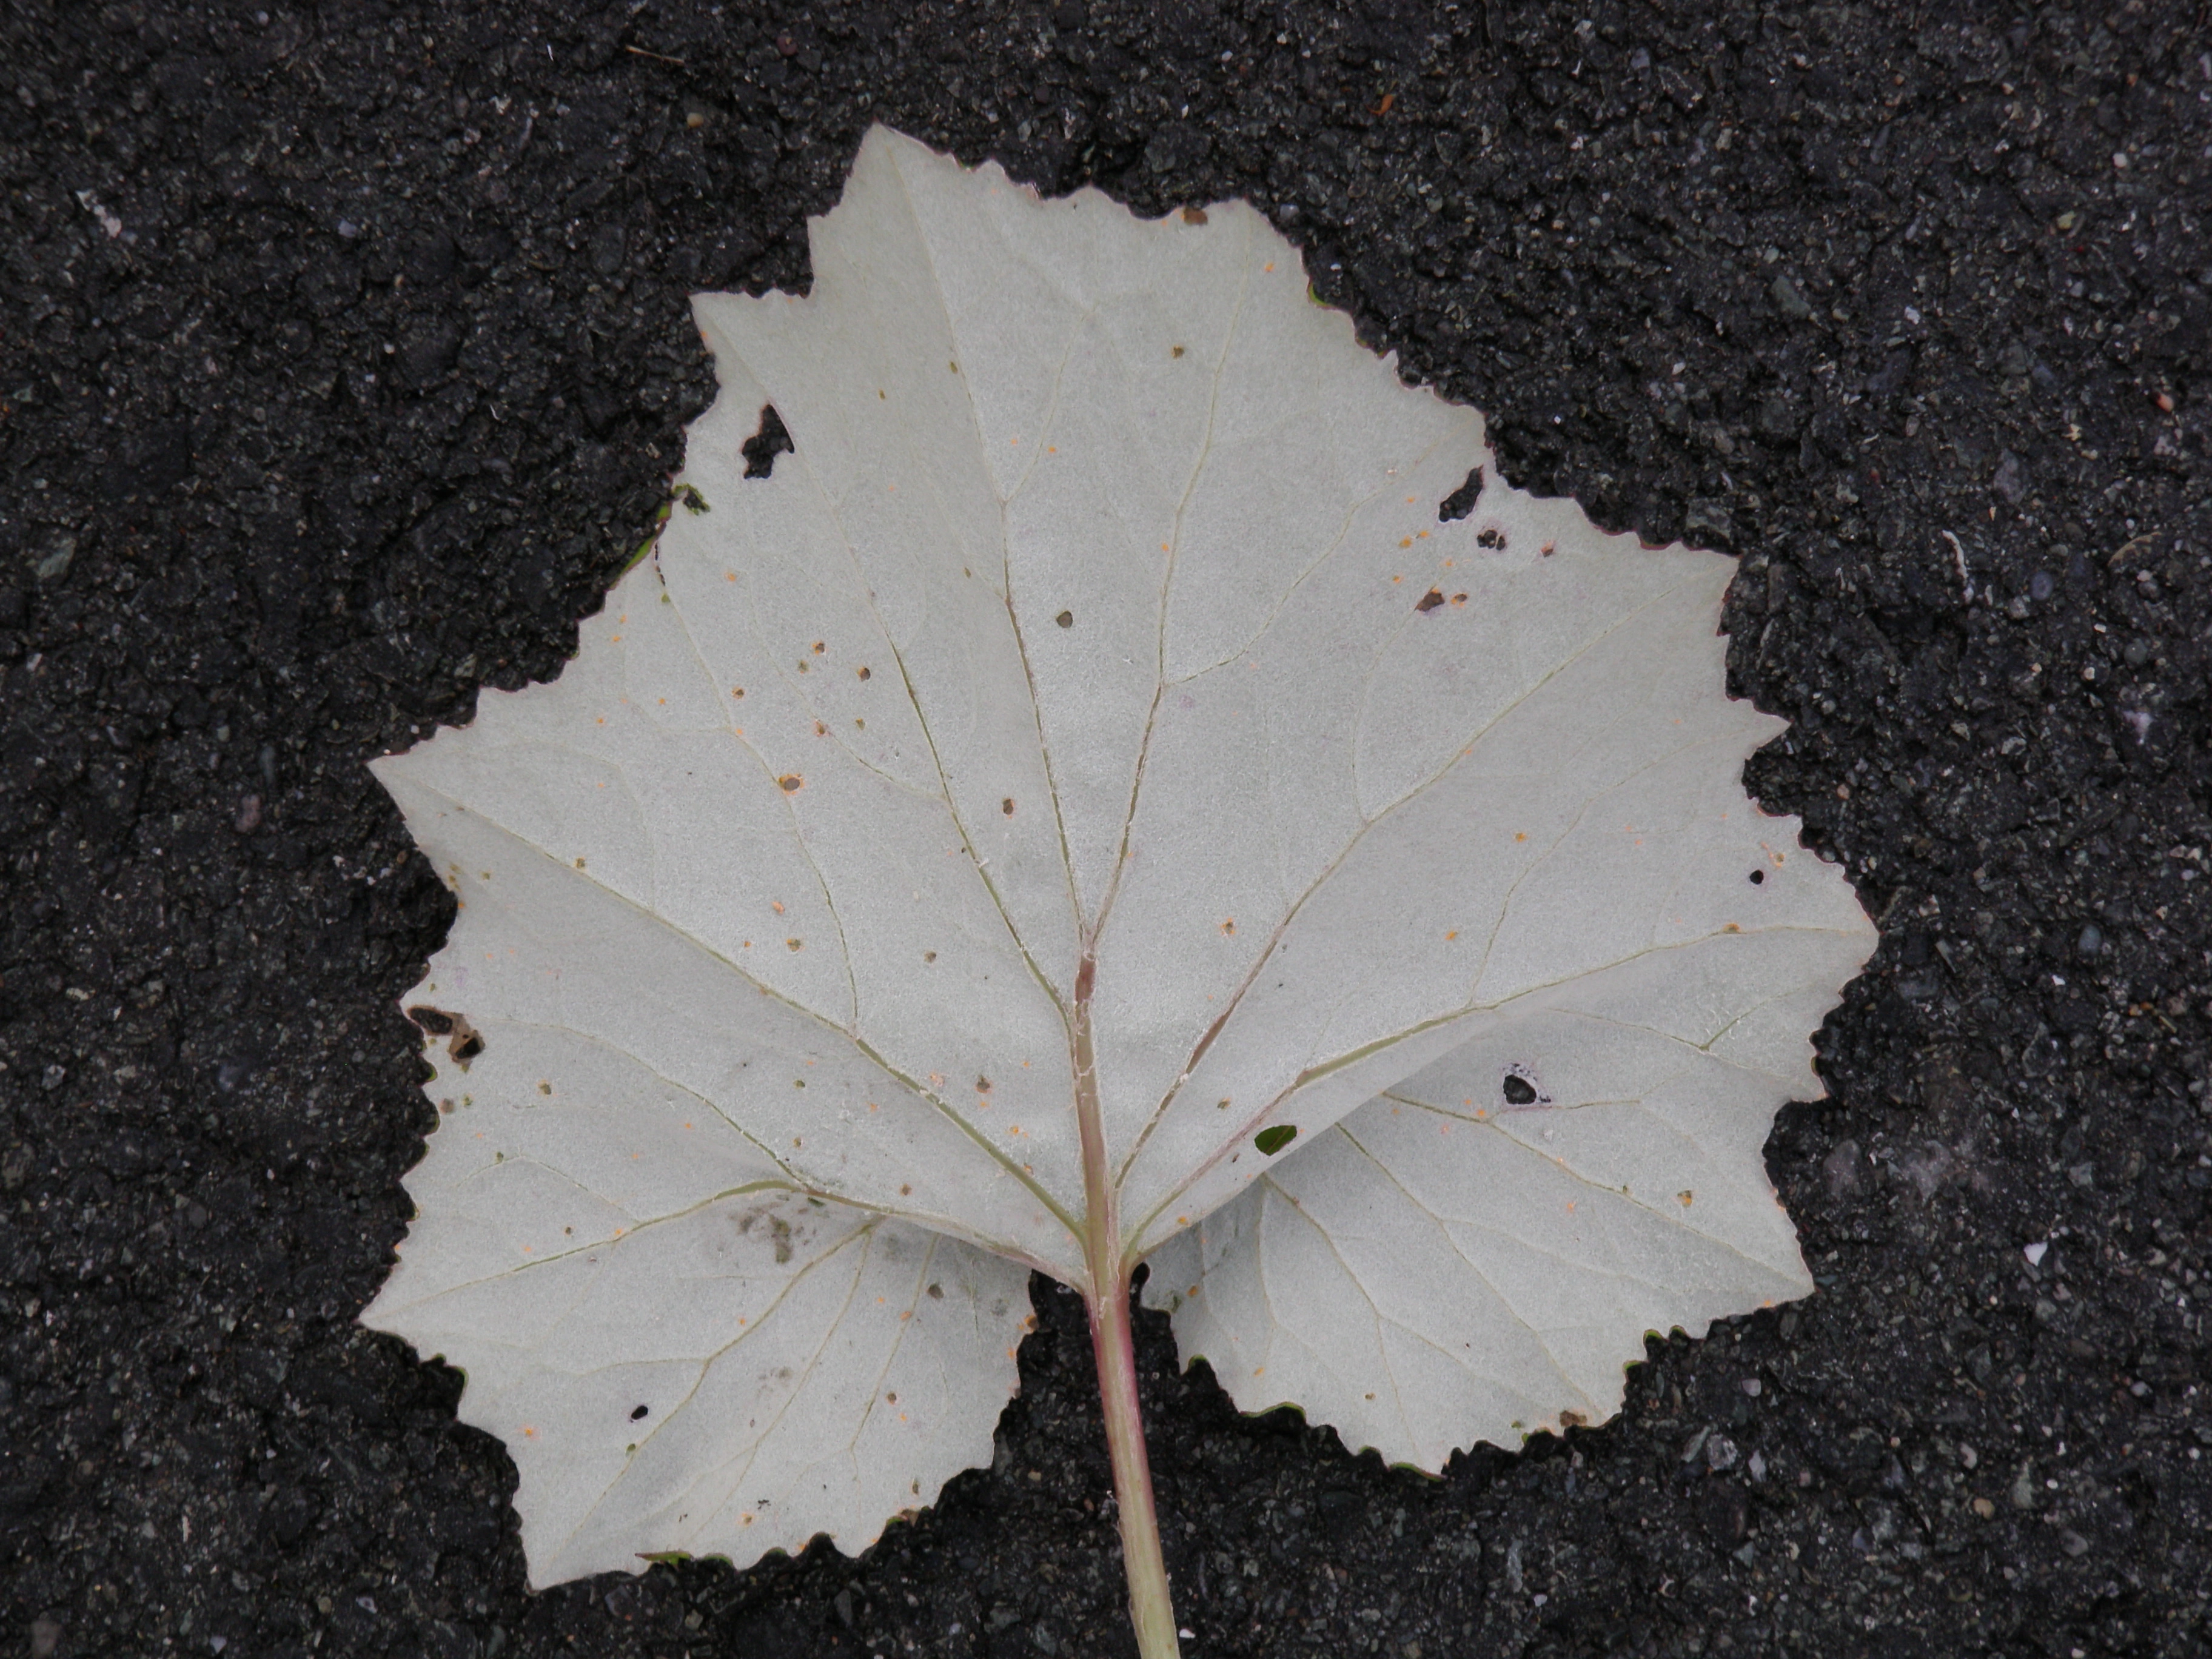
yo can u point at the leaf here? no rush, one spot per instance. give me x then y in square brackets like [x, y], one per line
[1106, 727]
[1463, 1259]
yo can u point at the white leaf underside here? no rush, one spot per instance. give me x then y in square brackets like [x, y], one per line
[1091, 614]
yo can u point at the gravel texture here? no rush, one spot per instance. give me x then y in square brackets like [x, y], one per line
[343, 357]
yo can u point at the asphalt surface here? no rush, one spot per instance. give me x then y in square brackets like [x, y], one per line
[344, 354]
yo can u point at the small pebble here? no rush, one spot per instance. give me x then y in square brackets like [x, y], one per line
[2036, 1252]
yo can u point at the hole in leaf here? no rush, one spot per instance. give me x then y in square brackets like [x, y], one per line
[1461, 502]
[982, 1086]
[936, 1293]
[1759, 878]
[1066, 619]
[1275, 1137]
[862, 671]
[772, 440]
[1175, 351]
[1492, 537]
[436, 1021]
[639, 1413]
[791, 783]
[1007, 806]
[1519, 1091]
[1428, 601]
[1194, 216]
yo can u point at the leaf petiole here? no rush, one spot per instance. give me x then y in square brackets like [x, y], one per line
[1151, 1610]
[1112, 1341]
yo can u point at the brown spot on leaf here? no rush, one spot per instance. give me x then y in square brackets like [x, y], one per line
[1175, 351]
[1428, 601]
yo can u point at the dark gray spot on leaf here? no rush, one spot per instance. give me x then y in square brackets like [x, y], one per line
[772, 440]
[1461, 502]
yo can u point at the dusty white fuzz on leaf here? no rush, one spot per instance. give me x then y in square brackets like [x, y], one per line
[1115, 659]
